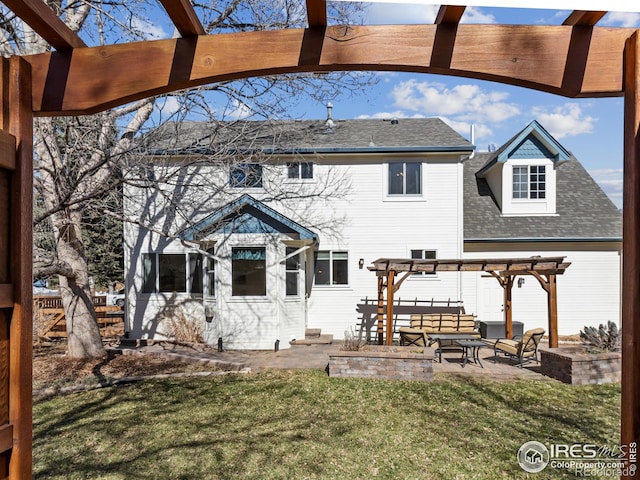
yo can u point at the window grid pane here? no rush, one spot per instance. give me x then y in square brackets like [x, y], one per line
[537, 181]
[149, 273]
[332, 268]
[412, 176]
[306, 170]
[172, 273]
[292, 266]
[520, 182]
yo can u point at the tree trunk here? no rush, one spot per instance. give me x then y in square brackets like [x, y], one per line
[84, 340]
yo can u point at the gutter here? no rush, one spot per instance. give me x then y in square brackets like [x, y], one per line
[463, 149]
[543, 239]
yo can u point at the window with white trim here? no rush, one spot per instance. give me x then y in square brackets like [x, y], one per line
[211, 273]
[172, 272]
[332, 268]
[292, 272]
[405, 178]
[529, 182]
[300, 170]
[424, 255]
[249, 271]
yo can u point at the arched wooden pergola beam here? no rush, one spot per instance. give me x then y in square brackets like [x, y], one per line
[572, 61]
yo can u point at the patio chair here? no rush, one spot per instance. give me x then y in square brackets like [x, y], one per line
[524, 350]
[413, 336]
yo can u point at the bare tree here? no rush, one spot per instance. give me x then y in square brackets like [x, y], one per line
[80, 160]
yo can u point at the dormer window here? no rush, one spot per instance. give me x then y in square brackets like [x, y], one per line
[529, 182]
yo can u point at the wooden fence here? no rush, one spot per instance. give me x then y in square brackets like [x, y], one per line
[50, 322]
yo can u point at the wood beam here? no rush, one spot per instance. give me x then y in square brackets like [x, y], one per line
[448, 14]
[508, 306]
[46, 23]
[390, 292]
[183, 17]
[16, 118]
[584, 18]
[380, 309]
[552, 311]
[630, 405]
[537, 57]
[317, 13]
[7, 150]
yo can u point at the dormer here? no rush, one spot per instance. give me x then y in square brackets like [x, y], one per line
[522, 173]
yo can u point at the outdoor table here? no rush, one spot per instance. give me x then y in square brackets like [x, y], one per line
[473, 347]
[454, 337]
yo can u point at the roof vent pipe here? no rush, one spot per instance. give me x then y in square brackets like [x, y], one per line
[329, 121]
[472, 135]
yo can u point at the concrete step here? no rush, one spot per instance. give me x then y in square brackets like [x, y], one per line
[312, 332]
[319, 340]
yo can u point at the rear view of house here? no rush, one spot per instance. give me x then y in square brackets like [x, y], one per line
[256, 231]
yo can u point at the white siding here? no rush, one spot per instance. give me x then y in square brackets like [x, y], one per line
[588, 292]
[377, 226]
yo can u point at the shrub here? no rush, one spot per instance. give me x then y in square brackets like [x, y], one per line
[353, 343]
[182, 328]
[602, 339]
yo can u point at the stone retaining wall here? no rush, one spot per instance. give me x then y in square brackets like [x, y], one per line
[389, 363]
[574, 366]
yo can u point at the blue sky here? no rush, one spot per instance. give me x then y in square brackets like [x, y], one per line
[590, 128]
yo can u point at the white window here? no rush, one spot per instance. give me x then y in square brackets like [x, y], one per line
[249, 271]
[405, 178]
[529, 182]
[172, 272]
[211, 274]
[424, 255]
[300, 170]
[332, 268]
[292, 274]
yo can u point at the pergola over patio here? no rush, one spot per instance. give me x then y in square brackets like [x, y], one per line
[543, 269]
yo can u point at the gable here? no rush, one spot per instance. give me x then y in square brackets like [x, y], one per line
[247, 215]
[531, 148]
[532, 142]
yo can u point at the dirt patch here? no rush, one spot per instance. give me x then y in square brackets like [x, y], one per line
[52, 368]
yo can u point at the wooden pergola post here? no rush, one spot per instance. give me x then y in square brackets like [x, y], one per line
[16, 302]
[548, 283]
[507, 285]
[380, 309]
[390, 291]
[630, 405]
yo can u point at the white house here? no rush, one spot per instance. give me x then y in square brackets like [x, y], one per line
[273, 225]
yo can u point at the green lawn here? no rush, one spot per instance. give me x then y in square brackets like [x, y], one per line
[296, 425]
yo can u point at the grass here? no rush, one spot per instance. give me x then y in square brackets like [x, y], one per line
[304, 425]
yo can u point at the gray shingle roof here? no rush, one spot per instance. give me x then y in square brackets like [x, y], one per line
[584, 210]
[308, 135]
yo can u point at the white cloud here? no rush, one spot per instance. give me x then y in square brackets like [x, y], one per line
[467, 103]
[476, 15]
[565, 120]
[148, 29]
[169, 106]
[398, 14]
[238, 111]
[389, 115]
[622, 19]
